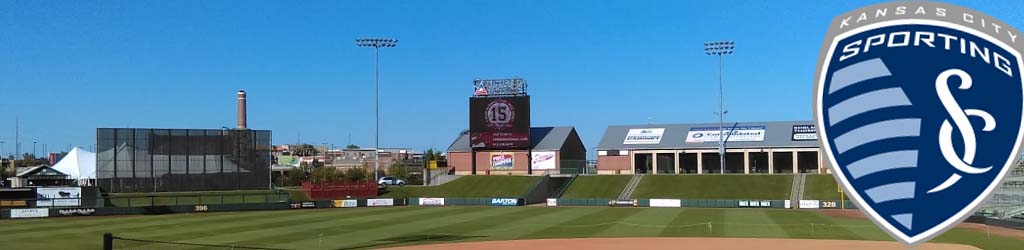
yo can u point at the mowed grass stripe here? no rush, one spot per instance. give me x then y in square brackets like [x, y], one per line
[751, 223]
[81, 222]
[197, 230]
[519, 228]
[647, 221]
[587, 225]
[329, 226]
[809, 225]
[690, 216]
[366, 232]
[56, 227]
[454, 232]
[862, 228]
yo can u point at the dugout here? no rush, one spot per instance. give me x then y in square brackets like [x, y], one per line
[784, 147]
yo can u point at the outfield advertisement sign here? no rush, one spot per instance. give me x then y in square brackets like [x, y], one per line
[76, 212]
[58, 196]
[504, 202]
[544, 160]
[666, 203]
[431, 201]
[804, 133]
[755, 204]
[644, 136]
[380, 202]
[733, 134]
[810, 204]
[30, 213]
[502, 161]
[552, 202]
[345, 203]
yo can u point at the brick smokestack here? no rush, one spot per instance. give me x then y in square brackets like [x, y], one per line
[241, 110]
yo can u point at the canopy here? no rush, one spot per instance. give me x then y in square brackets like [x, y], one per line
[78, 164]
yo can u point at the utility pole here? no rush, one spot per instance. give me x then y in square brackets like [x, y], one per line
[720, 48]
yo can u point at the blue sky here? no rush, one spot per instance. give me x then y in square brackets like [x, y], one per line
[68, 67]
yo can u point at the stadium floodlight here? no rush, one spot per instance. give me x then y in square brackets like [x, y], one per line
[376, 44]
[719, 48]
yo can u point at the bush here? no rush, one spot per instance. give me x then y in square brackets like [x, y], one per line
[357, 174]
[327, 174]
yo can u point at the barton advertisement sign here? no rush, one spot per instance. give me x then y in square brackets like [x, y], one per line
[499, 122]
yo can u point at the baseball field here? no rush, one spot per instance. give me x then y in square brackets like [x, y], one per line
[362, 228]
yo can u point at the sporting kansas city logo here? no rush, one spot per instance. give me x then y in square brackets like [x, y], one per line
[919, 106]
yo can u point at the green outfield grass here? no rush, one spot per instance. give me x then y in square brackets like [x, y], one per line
[597, 186]
[475, 186]
[715, 186]
[360, 228]
[820, 187]
[197, 198]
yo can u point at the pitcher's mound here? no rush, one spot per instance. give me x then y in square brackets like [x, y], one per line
[685, 243]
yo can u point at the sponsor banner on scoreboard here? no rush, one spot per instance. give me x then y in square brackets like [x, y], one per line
[499, 122]
[543, 160]
[502, 161]
[804, 133]
[345, 203]
[30, 213]
[431, 201]
[380, 202]
[733, 134]
[58, 196]
[666, 203]
[811, 204]
[644, 136]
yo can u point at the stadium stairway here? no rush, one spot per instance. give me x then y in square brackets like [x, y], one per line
[797, 192]
[566, 182]
[628, 191]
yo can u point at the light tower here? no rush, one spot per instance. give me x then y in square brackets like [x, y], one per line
[720, 48]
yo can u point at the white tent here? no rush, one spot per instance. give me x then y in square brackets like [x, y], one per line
[79, 165]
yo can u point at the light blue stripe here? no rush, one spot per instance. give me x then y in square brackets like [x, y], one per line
[891, 97]
[856, 73]
[891, 191]
[906, 127]
[882, 162]
[906, 220]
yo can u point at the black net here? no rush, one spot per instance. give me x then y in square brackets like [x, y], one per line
[169, 160]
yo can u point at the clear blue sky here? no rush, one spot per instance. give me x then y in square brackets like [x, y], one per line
[68, 67]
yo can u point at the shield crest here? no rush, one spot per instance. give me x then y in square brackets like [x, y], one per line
[919, 107]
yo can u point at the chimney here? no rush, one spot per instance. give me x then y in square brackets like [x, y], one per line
[241, 110]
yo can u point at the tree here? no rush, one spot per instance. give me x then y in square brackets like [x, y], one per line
[398, 170]
[295, 177]
[305, 150]
[433, 155]
[352, 146]
[357, 174]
